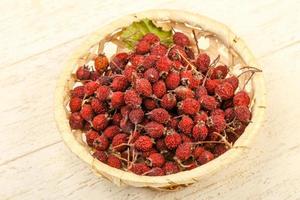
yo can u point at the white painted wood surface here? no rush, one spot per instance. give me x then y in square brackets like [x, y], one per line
[36, 36]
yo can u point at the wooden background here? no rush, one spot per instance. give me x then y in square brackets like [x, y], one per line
[36, 37]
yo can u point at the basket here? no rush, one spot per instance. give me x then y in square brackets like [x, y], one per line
[235, 46]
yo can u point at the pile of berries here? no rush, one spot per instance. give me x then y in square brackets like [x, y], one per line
[158, 110]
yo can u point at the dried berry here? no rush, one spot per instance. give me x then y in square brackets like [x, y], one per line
[151, 75]
[132, 99]
[184, 151]
[172, 140]
[202, 62]
[100, 122]
[139, 168]
[78, 92]
[149, 104]
[90, 88]
[119, 83]
[224, 91]
[163, 65]
[241, 99]
[136, 115]
[181, 39]
[205, 157]
[183, 92]
[143, 143]
[186, 125]
[76, 121]
[101, 62]
[91, 135]
[156, 171]
[170, 168]
[119, 142]
[159, 89]
[219, 72]
[208, 102]
[200, 132]
[159, 50]
[75, 104]
[142, 47]
[100, 155]
[242, 113]
[143, 87]
[86, 112]
[117, 99]
[168, 101]
[156, 160]
[189, 106]
[98, 106]
[159, 115]
[103, 92]
[172, 80]
[101, 143]
[151, 38]
[154, 129]
[111, 131]
[83, 73]
[114, 161]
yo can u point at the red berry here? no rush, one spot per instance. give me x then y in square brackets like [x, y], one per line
[159, 50]
[119, 84]
[173, 123]
[163, 65]
[125, 110]
[156, 160]
[86, 112]
[119, 61]
[143, 87]
[171, 168]
[75, 104]
[200, 117]
[198, 151]
[229, 114]
[189, 106]
[202, 62]
[76, 121]
[172, 80]
[101, 143]
[185, 138]
[126, 125]
[132, 98]
[142, 47]
[146, 154]
[219, 72]
[211, 85]
[200, 91]
[117, 99]
[98, 106]
[150, 61]
[78, 92]
[234, 81]
[159, 115]
[184, 151]
[154, 129]
[219, 149]
[111, 131]
[100, 122]
[159, 89]
[143, 143]
[181, 39]
[90, 88]
[242, 113]
[151, 74]
[241, 99]
[224, 91]
[136, 115]
[217, 123]
[168, 101]
[186, 124]
[101, 62]
[94, 75]
[130, 72]
[114, 161]
[183, 92]
[83, 73]
[103, 92]
[91, 135]
[189, 79]
[172, 140]
[137, 60]
[104, 80]
[200, 132]
[189, 52]
[160, 145]
[149, 104]
[176, 53]
[218, 111]
[139, 168]
[116, 119]
[208, 102]
[100, 155]
[119, 142]
[156, 171]
[151, 38]
[205, 157]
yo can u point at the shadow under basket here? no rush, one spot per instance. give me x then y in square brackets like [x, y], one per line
[219, 39]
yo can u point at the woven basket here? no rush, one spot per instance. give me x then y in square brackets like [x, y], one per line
[235, 46]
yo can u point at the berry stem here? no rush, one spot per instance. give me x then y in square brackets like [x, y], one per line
[211, 66]
[223, 138]
[196, 41]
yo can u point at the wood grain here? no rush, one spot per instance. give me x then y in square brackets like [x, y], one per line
[37, 36]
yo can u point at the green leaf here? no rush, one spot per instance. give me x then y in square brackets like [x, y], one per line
[133, 33]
